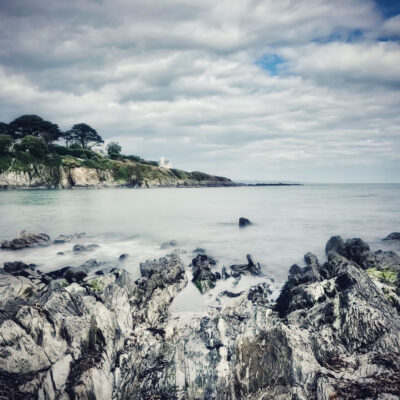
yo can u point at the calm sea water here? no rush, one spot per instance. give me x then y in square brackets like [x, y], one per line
[288, 222]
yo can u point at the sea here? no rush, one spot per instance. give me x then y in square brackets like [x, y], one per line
[288, 221]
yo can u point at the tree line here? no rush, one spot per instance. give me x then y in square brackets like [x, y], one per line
[33, 133]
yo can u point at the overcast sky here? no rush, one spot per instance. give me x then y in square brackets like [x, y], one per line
[294, 90]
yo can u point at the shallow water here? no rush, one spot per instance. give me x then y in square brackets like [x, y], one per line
[288, 222]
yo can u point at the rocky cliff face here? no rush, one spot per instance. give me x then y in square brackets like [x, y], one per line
[41, 175]
[93, 333]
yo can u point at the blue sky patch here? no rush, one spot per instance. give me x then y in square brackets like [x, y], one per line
[270, 63]
[388, 8]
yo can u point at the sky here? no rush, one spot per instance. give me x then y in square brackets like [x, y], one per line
[269, 90]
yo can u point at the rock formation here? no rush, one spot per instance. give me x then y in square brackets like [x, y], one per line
[94, 333]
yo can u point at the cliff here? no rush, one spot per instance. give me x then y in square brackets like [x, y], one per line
[94, 333]
[68, 172]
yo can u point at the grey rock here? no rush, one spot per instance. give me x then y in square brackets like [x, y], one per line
[80, 248]
[393, 236]
[169, 244]
[333, 333]
[203, 277]
[26, 240]
[123, 257]
[336, 244]
[238, 270]
[17, 266]
[68, 238]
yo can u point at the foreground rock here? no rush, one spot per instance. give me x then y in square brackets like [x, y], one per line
[26, 240]
[238, 270]
[333, 333]
[203, 277]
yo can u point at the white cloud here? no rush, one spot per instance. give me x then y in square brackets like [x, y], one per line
[182, 80]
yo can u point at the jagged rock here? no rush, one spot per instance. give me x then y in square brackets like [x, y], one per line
[26, 240]
[169, 244]
[80, 248]
[243, 222]
[123, 257]
[17, 266]
[393, 236]
[238, 270]
[333, 333]
[68, 238]
[203, 277]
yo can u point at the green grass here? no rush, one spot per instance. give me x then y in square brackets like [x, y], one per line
[97, 285]
[389, 275]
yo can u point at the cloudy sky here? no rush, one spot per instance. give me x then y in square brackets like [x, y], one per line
[294, 90]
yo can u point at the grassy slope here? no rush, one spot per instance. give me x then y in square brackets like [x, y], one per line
[124, 171]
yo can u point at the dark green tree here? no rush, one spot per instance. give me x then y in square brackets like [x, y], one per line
[33, 125]
[3, 128]
[35, 145]
[5, 143]
[113, 148]
[83, 134]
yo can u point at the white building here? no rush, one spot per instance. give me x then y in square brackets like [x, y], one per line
[164, 163]
[100, 148]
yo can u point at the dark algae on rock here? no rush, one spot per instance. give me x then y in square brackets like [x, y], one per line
[92, 332]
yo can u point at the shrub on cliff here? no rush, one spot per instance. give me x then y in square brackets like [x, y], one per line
[5, 144]
[113, 148]
[36, 146]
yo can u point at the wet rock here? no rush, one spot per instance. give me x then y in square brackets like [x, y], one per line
[243, 222]
[238, 270]
[26, 240]
[336, 244]
[123, 257]
[332, 334]
[68, 238]
[357, 250]
[169, 244]
[260, 294]
[203, 277]
[199, 250]
[80, 248]
[17, 266]
[393, 236]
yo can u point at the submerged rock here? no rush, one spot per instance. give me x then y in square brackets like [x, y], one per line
[169, 244]
[123, 257]
[68, 238]
[243, 222]
[26, 240]
[80, 248]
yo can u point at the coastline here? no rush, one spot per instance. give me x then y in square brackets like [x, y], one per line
[330, 320]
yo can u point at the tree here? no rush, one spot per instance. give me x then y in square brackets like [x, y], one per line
[5, 143]
[113, 148]
[84, 135]
[33, 125]
[3, 128]
[35, 145]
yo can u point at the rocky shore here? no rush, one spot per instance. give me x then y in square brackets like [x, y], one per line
[92, 332]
